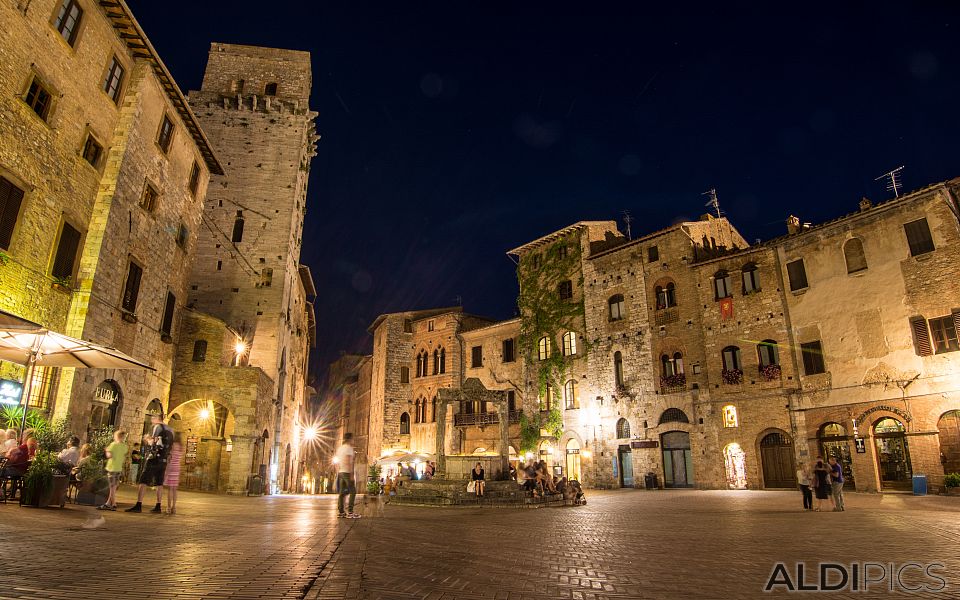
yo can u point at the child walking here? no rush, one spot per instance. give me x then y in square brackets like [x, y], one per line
[116, 457]
[171, 479]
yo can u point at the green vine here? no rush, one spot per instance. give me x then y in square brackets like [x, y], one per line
[531, 428]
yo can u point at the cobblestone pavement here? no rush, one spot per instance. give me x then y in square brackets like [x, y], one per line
[623, 544]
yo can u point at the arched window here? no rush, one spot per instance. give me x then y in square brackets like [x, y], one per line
[270, 89]
[442, 361]
[731, 359]
[616, 306]
[853, 254]
[433, 410]
[832, 430]
[769, 358]
[404, 424]
[673, 415]
[623, 429]
[618, 368]
[543, 348]
[666, 295]
[570, 396]
[422, 361]
[751, 279]
[671, 364]
[416, 413]
[423, 410]
[722, 286]
[730, 416]
[546, 399]
[569, 343]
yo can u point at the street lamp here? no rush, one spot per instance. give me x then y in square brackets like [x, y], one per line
[204, 414]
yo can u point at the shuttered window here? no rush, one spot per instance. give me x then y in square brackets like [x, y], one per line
[10, 199]
[66, 255]
[476, 357]
[797, 274]
[131, 289]
[921, 336]
[812, 358]
[166, 324]
[918, 237]
[944, 331]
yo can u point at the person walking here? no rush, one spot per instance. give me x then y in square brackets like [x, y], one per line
[116, 457]
[171, 477]
[836, 483]
[821, 482]
[804, 481]
[479, 485]
[134, 463]
[154, 464]
[345, 483]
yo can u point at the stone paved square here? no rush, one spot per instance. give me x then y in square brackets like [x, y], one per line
[623, 544]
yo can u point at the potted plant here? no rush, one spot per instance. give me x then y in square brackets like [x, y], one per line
[47, 479]
[62, 284]
[92, 473]
[952, 482]
[373, 480]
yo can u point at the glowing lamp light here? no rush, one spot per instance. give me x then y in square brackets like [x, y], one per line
[240, 347]
[550, 450]
[529, 455]
[204, 414]
[335, 460]
[310, 433]
[587, 454]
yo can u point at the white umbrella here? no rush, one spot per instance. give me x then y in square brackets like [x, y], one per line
[33, 345]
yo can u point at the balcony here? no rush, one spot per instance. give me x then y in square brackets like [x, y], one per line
[482, 419]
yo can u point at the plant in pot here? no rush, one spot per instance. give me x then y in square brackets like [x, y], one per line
[952, 482]
[373, 480]
[62, 284]
[92, 472]
[47, 479]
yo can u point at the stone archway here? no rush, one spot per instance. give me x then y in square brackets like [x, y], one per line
[207, 427]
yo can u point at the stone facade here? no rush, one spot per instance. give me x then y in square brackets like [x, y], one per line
[83, 162]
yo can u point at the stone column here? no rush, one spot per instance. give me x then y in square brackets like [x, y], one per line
[503, 413]
[240, 460]
[441, 437]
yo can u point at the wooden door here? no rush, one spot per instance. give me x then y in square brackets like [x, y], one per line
[949, 426]
[776, 456]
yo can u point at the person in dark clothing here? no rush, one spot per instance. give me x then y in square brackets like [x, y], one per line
[478, 482]
[821, 482]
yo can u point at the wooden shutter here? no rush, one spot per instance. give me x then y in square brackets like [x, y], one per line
[132, 288]
[921, 335]
[167, 323]
[956, 320]
[66, 255]
[10, 199]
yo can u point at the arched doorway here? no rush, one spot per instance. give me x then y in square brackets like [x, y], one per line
[206, 427]
[735, 465]
[573, 459]
[776, 456]
[677, 460]
[834, 442]
[949, 427]
[893, 454]
[106, 407]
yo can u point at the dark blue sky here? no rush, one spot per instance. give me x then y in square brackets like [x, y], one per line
[452, 132]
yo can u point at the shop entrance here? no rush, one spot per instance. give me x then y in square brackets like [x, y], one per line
[835, 443]
[893, 454]
[677, 461]
[776, 456]
[949, 427]
[625, 458]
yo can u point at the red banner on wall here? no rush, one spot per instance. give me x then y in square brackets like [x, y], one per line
[726, 308]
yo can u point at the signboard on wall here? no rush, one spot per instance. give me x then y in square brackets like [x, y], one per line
[190, 452]
[861, 445]
[645, 444]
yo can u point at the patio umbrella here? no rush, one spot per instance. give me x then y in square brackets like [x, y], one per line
[33, 345]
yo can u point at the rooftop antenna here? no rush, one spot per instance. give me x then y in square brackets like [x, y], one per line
[713, 203]
[628, 219]
[459, 300]
[893, 180]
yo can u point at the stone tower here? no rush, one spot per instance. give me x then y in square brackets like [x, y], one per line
[254, 107]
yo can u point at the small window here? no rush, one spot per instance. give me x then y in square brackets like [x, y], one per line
[238, 86]
[563, 251]
[166, 323]
[616, 307]
[812, 358]
[751, 279]
[165, 136]
[570, 397]
[405, 424]
[666, 296]
[237, 236]
[623, 429]
[944, 330]
[731, 359]
[918, 237]
[11, 197]
[565, 290]
[653, 254]
[511, 401]
[131, 288]
[65, 259]
[200, 351]
[404, 374]
[92, 151]
[430, 325]
[797, 274]
[671, 365]
[730, 416]
[476, 357]
[722, 285]
[509, 350]
[148, 201]
[407, 326]
[38, 98]
[618, 368]
[439, 361]
[544, 348]
[266, 277]
[183, 234]
[853, 255]
[270, 89]
[535, 261]
[767, 353]
[569, 343]
[68, 20]
[113, 82]
[194, 178]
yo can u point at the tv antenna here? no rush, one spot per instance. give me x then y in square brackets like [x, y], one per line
[893, 181]
[458, 299]
[627, 218]
[713, 203]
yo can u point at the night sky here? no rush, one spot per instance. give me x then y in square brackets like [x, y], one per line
[453, 132]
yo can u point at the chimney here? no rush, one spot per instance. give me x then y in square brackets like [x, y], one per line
[865, 204]
[793, 224]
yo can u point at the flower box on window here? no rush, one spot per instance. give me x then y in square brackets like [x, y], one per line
[732, 376]
[673, 383]
[770, 372]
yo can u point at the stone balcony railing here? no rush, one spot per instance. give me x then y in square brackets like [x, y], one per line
[486, 418]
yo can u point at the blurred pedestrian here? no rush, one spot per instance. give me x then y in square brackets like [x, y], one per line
[836, 483]
[116, 457]
[821, 482]
[804, 481]
[346, 486]
[171, 477]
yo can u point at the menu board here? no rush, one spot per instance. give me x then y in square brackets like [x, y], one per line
[190, 454]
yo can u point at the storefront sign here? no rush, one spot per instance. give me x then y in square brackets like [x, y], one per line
[10, 391]
[190, 452]
[861, 445]
[645, 444]
[106, 393]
